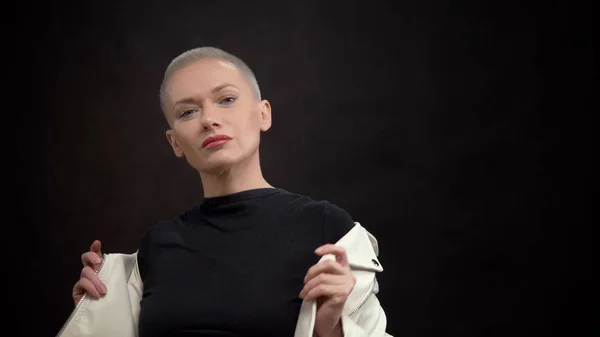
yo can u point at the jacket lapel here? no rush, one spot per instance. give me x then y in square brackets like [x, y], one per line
[112, 314]
[362, 251]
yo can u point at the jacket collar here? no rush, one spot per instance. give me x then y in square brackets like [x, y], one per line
[361, 248]
[362, 251]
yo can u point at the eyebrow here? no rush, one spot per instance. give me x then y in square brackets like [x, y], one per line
[191, 100]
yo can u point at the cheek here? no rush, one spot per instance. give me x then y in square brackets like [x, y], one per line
[252, 129]
[255, 122]
[186, 141]
[247, 130]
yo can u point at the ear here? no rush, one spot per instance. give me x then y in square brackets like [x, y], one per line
[265, 115]
[174, 143]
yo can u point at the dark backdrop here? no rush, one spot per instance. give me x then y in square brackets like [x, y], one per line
[437, 125]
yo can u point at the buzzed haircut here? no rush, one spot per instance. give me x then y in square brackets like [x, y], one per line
[200, 53]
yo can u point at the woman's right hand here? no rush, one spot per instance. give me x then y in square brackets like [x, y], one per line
[89, 282]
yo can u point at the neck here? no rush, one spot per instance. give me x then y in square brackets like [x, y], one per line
[244, 176]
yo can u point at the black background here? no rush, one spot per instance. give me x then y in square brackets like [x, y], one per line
[443, 127]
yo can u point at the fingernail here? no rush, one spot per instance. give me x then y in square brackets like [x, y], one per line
[103, 289]
[318, 250]
[98, 260]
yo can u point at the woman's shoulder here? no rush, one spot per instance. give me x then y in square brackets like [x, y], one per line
[160, 228]
[337, 221]
[324, 205]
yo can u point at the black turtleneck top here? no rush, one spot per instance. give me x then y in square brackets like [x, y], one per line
[234, 265]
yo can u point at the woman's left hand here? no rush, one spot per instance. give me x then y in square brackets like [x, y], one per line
[329, 283]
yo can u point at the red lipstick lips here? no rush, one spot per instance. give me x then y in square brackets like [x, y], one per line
[216, 140]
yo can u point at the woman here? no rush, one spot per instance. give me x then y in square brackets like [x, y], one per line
[251, 259]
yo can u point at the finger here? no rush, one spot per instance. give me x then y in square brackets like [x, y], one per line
[89, 274]
[85, 286]
[323, 279]
[327, 290]
[91, 259]
[339, 252]
[327, 266]
[96, 247]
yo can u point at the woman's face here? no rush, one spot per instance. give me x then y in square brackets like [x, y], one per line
[210, 98]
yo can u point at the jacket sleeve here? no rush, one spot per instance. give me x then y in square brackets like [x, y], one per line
[369, 321]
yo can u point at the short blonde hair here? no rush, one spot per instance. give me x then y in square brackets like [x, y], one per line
[200, 53]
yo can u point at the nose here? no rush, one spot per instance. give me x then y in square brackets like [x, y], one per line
[209, 119]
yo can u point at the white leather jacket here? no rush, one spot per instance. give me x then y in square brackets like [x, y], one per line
[116, 313]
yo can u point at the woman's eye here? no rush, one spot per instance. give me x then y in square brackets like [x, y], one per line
[187, 113]
[228, 100]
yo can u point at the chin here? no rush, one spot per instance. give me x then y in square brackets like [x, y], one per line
[217, 163]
